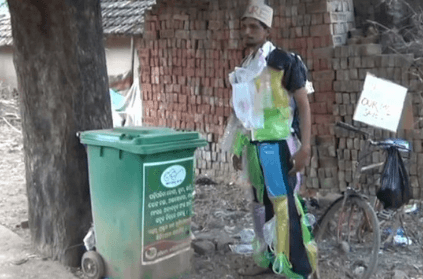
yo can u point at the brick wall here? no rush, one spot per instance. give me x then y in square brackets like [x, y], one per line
[189, 48]
[348, 85]
[335, 152]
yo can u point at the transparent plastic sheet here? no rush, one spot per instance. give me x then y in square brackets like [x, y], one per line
[259, 218]
[261, 256]
[269, 232]
[293, 145]
[248, 103]
[252, 171]
[246, 236]
[244, 98]
[308, 239]
[130, 108]
[244, 94]
[232, 128]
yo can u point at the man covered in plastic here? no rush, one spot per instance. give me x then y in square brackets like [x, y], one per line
[264, 145]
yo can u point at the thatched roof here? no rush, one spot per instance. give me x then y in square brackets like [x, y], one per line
[5, 30]
[120, 17]
[124, 17]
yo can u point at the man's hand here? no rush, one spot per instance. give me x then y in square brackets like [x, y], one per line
[300, 160]
[237, 162]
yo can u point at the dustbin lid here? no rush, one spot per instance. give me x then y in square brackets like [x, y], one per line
[143, 140]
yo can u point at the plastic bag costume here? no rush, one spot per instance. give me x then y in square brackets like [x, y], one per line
[261, 132]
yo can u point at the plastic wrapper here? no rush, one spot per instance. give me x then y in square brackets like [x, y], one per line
[248, 103]
[244, 98]
[246, 236]
[244, 94]
[395, 188]
[242, 249]
[269, 231]
[294, 145]
[233, 127]
[259, 218]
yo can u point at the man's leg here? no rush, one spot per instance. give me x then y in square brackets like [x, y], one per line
[261, 214]
[298, 254]
[275, 162]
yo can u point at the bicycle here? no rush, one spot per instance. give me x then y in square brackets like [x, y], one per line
[348, 233]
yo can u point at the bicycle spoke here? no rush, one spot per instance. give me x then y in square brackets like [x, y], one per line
[352, 243]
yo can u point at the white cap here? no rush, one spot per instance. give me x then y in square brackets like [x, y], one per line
[259, 10]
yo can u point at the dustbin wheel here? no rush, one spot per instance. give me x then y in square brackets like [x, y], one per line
[92, 265]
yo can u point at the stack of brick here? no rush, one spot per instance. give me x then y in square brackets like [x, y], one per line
[186, 54]
[189, 48]
[351, 64]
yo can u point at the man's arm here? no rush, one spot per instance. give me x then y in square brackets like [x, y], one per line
[302, 156]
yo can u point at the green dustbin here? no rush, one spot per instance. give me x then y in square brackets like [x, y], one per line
[141, 184]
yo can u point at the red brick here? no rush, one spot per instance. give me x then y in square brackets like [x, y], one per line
[228, 111]
[316, 7]
[190, 72]
[325, 52]
[182, 80]
[199, 34]
[328, 97]
[323, 75]
[314, 129]
[321, 108]
[214, 24]
[150, 35]
[167, 33]
[144, 53]
[150, 17]
[182, 34]
[323, 129]
[316, 41]
[320, 30]
[322, 119]
[176, 88]
[276, 22]
[180, 17]
[205, 109]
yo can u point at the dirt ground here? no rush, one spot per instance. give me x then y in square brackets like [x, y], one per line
[222, 207]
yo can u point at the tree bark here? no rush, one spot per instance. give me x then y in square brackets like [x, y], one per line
[61, 67]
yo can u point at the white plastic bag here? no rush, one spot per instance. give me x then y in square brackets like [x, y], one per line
[247, 104]
[243, 101]
[269, 232]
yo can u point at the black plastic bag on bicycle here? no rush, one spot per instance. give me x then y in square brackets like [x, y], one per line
[395, 187]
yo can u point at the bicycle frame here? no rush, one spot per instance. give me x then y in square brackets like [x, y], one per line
[359, 170]
[356, 224]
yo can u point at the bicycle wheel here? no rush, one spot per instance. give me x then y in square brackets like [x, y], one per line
[348, 240]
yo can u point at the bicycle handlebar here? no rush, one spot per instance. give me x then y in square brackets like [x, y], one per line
[368, 137]
[352, 128]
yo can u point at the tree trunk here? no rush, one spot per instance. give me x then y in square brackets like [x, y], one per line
[61, 68]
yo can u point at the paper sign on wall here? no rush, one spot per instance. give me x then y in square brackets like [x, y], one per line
[380, 103]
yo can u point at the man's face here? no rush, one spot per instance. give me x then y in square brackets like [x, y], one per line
[253, 33]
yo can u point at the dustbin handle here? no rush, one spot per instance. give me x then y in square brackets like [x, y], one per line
[126, 136]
